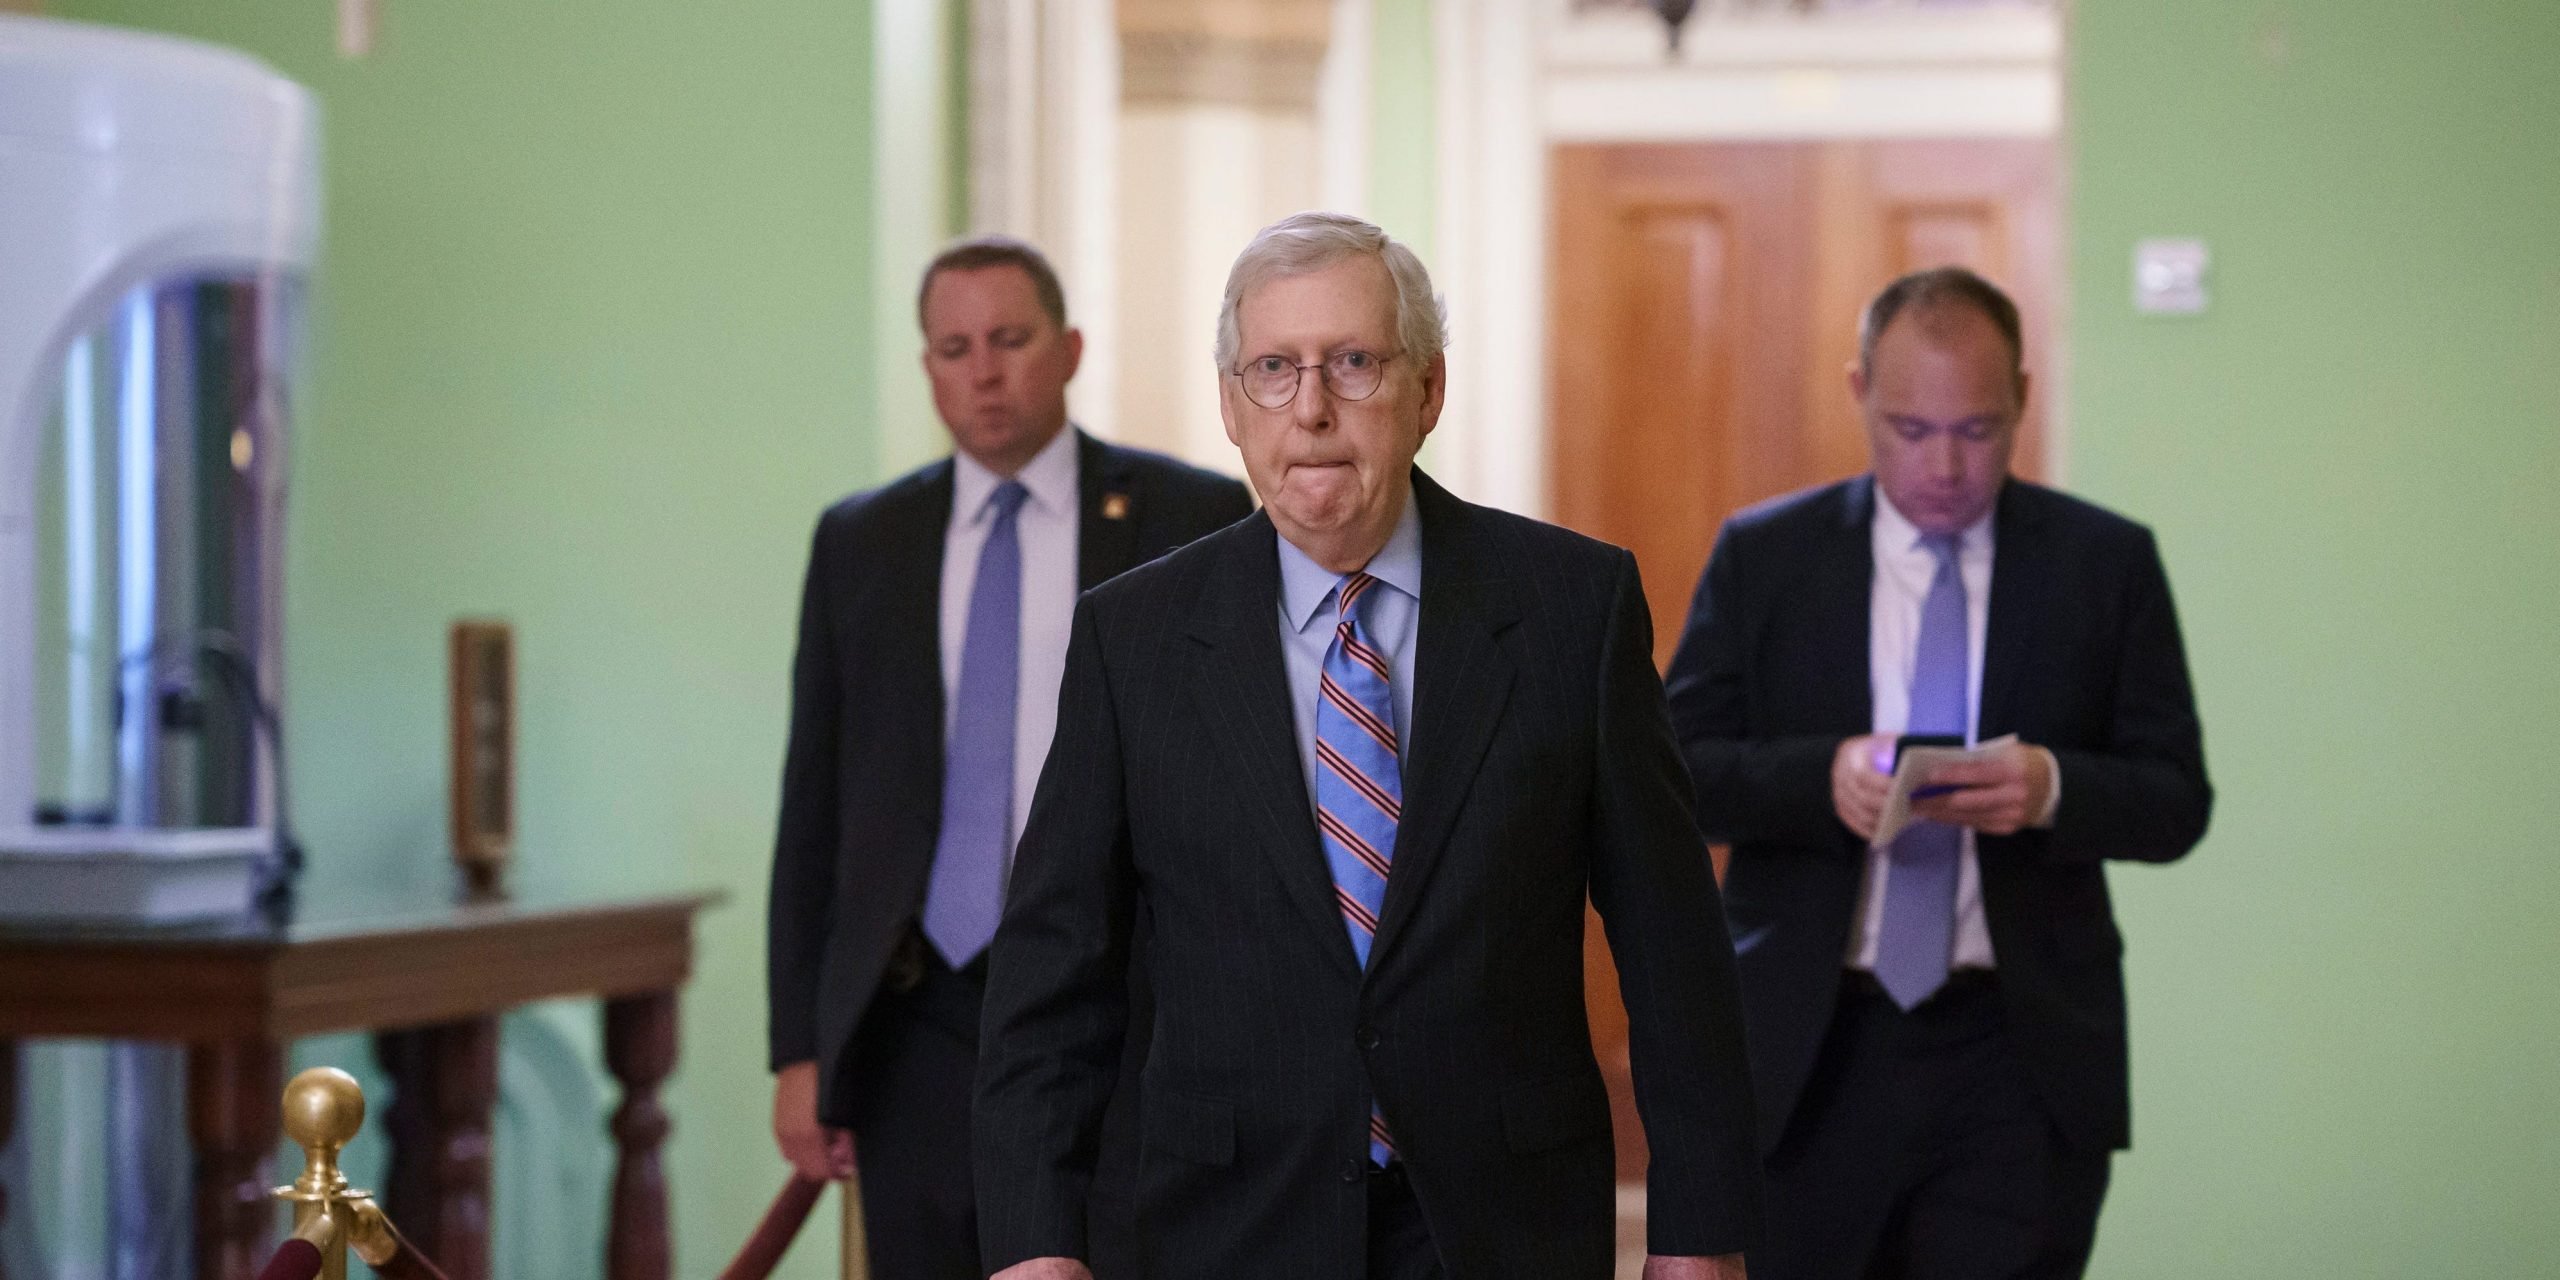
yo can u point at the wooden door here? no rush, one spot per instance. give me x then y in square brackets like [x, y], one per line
[1705, 307]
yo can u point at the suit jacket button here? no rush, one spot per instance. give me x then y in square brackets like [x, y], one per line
[1354, 1169]
[1366, 1037]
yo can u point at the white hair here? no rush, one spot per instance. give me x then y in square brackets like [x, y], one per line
[1305, 242]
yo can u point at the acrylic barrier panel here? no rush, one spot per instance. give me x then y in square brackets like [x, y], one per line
[158, 559]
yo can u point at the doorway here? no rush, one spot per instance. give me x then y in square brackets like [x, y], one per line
[1704, 312]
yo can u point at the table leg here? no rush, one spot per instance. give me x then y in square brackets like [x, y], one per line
[234, 1112]
[408, 1173]
[8, 1125]
[640, 1050]
[444, 1089]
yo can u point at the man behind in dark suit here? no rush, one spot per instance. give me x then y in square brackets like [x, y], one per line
[1937, 1027]
[1370, 1054]
[932, 630]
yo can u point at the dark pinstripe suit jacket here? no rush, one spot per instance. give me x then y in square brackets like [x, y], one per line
[1541, 767]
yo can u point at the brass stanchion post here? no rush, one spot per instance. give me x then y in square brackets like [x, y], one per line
[323, 1109]
[857, 1249]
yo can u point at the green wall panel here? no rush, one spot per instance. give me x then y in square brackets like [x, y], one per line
[595, 340]
[2340, 1008]
[1404, 176]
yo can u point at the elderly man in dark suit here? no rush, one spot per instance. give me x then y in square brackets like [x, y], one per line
[1937, 1023]
[1359, 760]
[932, 630]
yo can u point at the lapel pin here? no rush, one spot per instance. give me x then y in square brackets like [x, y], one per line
[1115, 506]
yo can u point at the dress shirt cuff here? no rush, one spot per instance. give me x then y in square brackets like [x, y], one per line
[2053, 800]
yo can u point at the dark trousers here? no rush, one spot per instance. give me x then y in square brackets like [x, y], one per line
[908, 1085]
[907, 1089]
[1400, 1245]
[1921, 1151]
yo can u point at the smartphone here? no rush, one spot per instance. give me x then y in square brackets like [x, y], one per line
[1910, 740]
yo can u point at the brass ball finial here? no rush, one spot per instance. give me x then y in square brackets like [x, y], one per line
[323, 1109]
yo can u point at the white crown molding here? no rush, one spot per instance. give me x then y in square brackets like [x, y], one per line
[1797, 103]
[1614, 40]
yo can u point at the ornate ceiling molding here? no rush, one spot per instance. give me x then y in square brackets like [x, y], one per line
[1257, 54]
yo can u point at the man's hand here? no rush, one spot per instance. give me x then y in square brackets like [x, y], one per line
[1999, 796]
[1861, 777]
[1045, 1269]
[1724, 1266]
[819, 1153]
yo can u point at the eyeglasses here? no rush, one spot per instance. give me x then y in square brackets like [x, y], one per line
[1272, 381]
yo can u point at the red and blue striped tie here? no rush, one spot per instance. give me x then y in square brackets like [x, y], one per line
[1359, 785]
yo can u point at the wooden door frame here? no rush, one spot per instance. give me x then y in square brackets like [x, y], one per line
[1518, 77]
[1666, 423]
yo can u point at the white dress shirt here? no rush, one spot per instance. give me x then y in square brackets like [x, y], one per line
[1046, 527]
[1903, 570]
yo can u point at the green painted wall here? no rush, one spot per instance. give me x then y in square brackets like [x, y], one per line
[593, 344]
[2343, 1017]
[596, 339]
[1404, 177]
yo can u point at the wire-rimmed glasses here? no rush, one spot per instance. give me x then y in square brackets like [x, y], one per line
[1272, 381]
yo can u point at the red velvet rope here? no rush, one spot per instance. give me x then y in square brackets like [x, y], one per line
[773, 1235]
[297, 1260]
[406, 1263]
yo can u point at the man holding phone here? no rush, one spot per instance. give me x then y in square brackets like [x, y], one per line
[1936, 1023]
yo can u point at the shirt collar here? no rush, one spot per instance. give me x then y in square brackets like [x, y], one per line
[1050, 477]
[1305, 586]
[1896, 534]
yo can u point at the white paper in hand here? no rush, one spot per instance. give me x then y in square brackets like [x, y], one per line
[1911, 771]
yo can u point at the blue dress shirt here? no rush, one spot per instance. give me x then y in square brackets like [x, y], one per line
[1391, 617]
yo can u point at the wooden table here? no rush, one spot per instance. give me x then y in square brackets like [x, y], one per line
[430, 977]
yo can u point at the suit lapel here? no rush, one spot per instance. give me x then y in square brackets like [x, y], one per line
[1462, 681]
[907, 620]
[1241, 683]
[1106, 512]
[1845, 593]
[2019, 577]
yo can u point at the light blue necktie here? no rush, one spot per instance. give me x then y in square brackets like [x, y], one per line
[1916, 941]
[1359, 786]
[966, 894]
